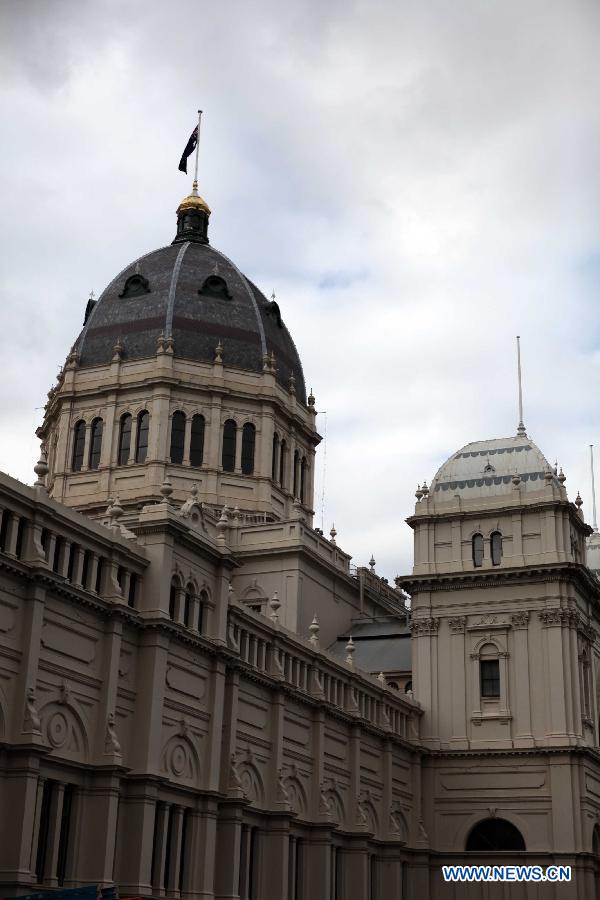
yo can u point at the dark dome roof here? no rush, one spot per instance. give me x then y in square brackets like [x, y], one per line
[193, 292]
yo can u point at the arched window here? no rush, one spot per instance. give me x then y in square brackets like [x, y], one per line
[477, 545]
[189, 605]
[496, 548]
[275, 462]
[248, 443]
[408, 687]
[124, 439]
[78, 445]
[296, 465]
[229, 442]
[197, 441]
[282, 463]
[177, 437]
[489, 672]
[494, 836]
[202, 610]
[303, 468]
[141, 444]
[175, 586]
[96, 443]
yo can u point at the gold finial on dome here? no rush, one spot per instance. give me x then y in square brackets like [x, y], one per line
[194, 201]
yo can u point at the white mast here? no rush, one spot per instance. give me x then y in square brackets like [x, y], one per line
[595, 520]
[520, 427]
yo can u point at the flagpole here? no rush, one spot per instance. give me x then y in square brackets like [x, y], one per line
[197, 149]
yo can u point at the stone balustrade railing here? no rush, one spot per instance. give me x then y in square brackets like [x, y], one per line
[77, 551]
[291, 660]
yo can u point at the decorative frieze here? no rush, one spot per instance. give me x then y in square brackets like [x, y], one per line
[425, 627]
[520, 619]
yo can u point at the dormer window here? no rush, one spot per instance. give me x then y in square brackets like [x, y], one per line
[215, 286]
[135, 286]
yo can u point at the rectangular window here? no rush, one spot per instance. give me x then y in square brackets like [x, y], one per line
[489, 670]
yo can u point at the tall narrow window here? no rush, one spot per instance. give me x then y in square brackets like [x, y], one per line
[248, 443]
[141, 444]
[296, 464]
[489, 671]
[187, 611]
[477, 545]
[282, 463]
[173, 597]
[229, 443]
[303, 468]
[177, 437]
[131, 597]
[124, 439]
[203, 605]
[197, 441]
[44, 830]
[96, 443]
[78, 445]
[275, 460]
[65, 834]
[496, 548]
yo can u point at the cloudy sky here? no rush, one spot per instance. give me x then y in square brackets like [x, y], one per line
[418, 181]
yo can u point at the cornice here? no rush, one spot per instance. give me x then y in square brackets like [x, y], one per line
[567, 571]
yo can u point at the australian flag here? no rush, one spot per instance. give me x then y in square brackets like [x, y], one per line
[189, 149]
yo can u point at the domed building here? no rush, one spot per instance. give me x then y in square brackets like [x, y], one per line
[183, 372]
[200, 695]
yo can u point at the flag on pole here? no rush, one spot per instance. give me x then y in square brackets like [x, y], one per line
[189, 149]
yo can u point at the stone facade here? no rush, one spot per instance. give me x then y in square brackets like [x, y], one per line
[179, 714]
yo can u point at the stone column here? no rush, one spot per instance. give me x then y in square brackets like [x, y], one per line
[33, 620]
[355, 870]
[99, 805]
[273, 859]
[556, 727]
[212, 759]
[520, 700]
[135, 838]
[229, 850]
[200, 853]
[63, 558]
[390, 877]
[86, 448]
[175, 851]
[160, 850]
[12, 533]
[187, 439]
[317, 863]
[56, 806]
[458, 662]
[21, 803]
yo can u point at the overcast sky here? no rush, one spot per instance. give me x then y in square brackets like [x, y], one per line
[418, 181]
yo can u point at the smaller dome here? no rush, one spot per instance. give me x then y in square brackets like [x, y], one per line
[487, 468]
[193, 201]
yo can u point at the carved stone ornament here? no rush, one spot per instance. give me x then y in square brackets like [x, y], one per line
[31, 720]
[281, 795]
[234, 785]
[425, 627]
[520, 619]
[111, 742]
[553, 617]
[457, 624]
[65, 694]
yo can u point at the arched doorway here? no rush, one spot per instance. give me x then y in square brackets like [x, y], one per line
[494, 836]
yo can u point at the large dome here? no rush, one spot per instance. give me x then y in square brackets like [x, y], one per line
[486, 468]
[193, 293]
